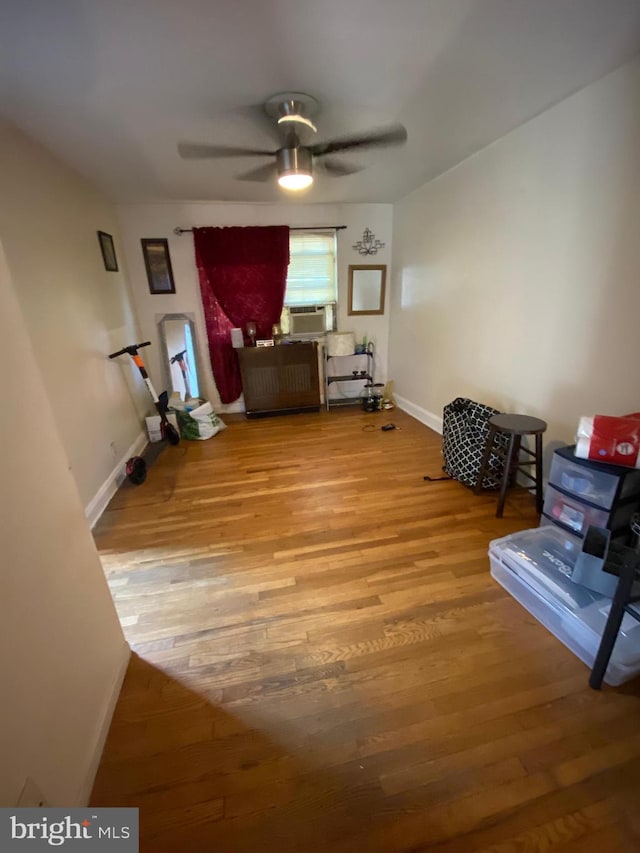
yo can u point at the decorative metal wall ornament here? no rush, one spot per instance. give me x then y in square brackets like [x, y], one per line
[368, 245]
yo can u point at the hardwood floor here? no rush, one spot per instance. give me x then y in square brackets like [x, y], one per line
[322, 661]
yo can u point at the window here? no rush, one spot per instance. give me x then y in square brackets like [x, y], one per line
[311, 279]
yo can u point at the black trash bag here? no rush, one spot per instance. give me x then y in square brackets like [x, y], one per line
[465, 429]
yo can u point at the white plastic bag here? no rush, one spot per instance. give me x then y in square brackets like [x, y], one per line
[201, 423]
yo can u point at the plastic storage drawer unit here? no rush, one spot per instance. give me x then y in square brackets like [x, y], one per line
[596, 482]
[577, 515]
[597, 487]
[535, 567]
[572, 512]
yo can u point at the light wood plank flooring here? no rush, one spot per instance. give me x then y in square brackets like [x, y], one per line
[322, 661]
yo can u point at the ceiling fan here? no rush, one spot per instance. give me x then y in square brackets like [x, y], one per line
[291, 115]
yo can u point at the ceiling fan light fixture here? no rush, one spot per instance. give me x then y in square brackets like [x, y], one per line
[300, 119]
[294, 168]
[295, 180]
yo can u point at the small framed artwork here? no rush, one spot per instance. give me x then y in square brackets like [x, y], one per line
[158, 265]
[108, 251]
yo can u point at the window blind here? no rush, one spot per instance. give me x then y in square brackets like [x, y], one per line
[311, 278]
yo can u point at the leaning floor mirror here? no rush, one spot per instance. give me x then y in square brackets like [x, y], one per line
[178, 344]
[366, 288]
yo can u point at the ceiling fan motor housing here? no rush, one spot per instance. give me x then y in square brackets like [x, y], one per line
[292, 106]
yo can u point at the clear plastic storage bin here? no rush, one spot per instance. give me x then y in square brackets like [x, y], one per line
[535, 567]
[597, 487]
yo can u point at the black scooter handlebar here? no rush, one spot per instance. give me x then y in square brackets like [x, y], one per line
[132, 350]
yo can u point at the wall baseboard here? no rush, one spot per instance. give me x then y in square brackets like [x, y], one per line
[107, 490]
[232, 408]
[425, 417]
[103, 729]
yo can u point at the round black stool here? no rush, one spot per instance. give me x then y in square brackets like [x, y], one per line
[513, 427]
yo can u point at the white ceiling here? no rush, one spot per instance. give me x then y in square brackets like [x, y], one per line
[111, 86]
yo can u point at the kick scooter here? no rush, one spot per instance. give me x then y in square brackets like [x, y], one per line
[167, 429]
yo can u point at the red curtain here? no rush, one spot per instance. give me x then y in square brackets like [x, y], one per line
[243, 275]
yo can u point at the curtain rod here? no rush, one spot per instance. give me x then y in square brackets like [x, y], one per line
[180, 231]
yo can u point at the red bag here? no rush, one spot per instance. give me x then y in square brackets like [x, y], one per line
[603, 438]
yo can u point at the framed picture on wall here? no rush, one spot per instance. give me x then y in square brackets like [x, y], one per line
[108, 251]
[157, 262]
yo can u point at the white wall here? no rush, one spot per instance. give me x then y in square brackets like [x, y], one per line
[159, 220]
[516, 274]
[76, 312]
[63, 654]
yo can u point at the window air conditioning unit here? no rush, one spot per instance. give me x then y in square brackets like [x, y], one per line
[308, 320]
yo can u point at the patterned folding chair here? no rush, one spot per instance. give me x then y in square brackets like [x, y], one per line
[465, 429]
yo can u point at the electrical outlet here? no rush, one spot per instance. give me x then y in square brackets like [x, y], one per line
[31, 796]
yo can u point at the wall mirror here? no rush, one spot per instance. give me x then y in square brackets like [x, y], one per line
[179, 358]
[366, 289]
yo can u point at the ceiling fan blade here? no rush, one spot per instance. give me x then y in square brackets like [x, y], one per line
[196, 151]
[262, 173]
[394, 135]
[257, 114]
[336, 169]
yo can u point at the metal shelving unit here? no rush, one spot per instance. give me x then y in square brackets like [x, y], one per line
[346, 377]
